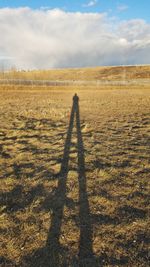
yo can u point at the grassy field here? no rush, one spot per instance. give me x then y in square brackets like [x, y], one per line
[113, 73]
[80, 199]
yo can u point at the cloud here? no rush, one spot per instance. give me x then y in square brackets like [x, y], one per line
[45, 8]
[122, 7]
[39, 39]
[3, 57]
[91, 3]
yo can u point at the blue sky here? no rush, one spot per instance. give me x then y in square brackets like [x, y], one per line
[125, 9]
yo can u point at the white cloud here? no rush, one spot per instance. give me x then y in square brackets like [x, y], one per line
[45, 8]
[122, 7]
[55, 38]
[90, 4]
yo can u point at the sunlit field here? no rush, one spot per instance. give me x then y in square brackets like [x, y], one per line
[74, 196]
[110, 73]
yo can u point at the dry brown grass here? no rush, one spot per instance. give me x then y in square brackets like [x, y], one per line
[85, 74]
[116, 136]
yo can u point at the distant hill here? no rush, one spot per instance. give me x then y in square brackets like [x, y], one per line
[83, 74]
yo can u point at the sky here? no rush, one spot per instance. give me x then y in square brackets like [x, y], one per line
[125, 9]
[57, 34]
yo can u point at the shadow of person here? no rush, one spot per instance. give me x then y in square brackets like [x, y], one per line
[85, 242]
[54, 254]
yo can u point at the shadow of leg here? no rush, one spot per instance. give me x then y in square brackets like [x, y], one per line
[53, 244]
[85, 245]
